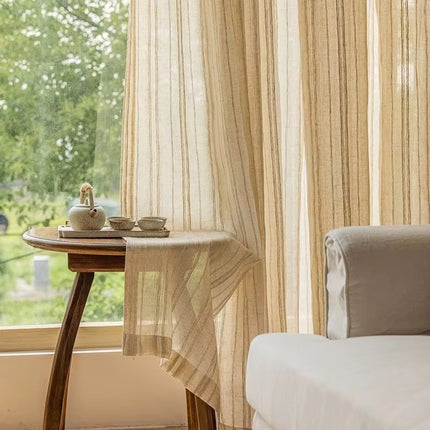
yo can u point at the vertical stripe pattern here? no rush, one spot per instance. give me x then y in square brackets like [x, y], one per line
[291, 124]
[128, 145]
[241, 88]
[404, 63]
[205, 154]
[334, 72]
[166, 169]
[251, 117]
[272, 181]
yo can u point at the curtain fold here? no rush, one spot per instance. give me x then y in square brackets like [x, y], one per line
[274, 224]
[404, 52]
[293, 180]
[230, 44]
[128, 139]
[240, 75]
[275, 121]
[334, 77]
[200, 156]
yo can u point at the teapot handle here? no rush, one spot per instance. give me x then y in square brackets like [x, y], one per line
[87, 188]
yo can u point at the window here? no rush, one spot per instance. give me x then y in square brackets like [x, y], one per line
[62, 66]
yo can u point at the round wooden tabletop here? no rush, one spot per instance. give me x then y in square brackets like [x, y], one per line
[47, 238]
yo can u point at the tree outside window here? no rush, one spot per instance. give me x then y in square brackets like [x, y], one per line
[62, 67]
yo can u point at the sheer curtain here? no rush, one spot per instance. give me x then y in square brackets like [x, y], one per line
[192, 152]
[262, 119]
[335, 94]
[404, 55]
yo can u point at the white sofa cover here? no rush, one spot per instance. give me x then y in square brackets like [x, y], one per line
[306, 382]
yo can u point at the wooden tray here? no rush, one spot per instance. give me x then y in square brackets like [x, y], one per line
[66, 231]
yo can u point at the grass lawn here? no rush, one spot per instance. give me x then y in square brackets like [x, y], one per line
[22, 304]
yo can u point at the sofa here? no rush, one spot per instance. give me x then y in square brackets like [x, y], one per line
[372, 370]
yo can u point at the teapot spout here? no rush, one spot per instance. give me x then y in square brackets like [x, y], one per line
[93, 212]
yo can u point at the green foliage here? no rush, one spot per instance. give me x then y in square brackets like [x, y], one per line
[61, 87]
[105, 302]
[33, 312]
[62, 66]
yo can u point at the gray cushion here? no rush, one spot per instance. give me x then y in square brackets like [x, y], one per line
[378, 280]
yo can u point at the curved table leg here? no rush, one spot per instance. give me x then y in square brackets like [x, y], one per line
[63, 412]
[55, 406]
[200, 415]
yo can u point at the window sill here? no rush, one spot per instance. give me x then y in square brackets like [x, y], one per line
[44, 337]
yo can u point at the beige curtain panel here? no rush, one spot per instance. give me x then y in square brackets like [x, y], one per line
[404, 28]
[272, 122]
[334, 81]
[193, 153]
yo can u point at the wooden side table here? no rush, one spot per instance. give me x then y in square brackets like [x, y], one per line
[85, 257]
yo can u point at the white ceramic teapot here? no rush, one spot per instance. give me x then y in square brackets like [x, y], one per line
[87, 215]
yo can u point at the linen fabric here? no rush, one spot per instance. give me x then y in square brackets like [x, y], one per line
[275, 121]
[310, 382]
[187, 157]
[335, 101]
[179, 285]
[378, 280]
[404, 28]
[202, 147]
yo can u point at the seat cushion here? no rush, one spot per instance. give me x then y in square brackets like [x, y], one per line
[310, 382]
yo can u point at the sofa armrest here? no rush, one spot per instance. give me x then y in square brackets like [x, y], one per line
[378, 281]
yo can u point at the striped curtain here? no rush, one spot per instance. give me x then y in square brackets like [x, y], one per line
[275, 121]
[192, 151]
[404, 28]
[334, 79]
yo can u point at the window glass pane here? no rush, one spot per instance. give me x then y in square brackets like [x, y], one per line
[62, 67]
